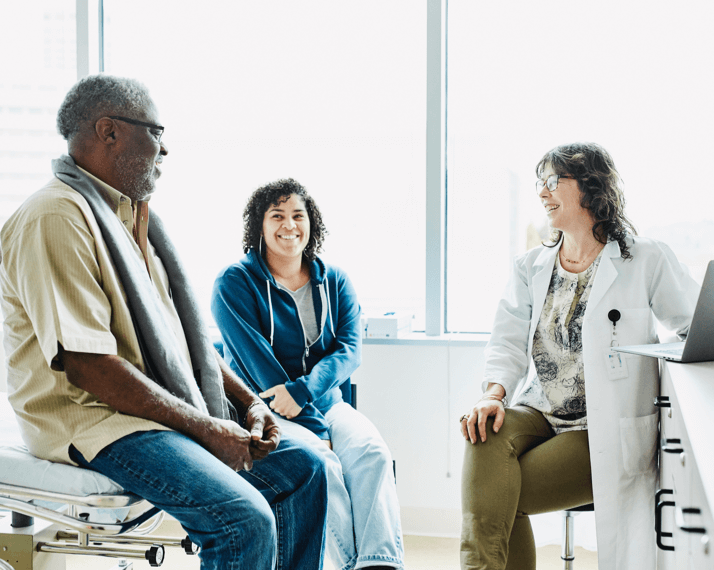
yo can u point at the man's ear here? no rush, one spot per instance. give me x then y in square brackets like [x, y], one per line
[105, 130]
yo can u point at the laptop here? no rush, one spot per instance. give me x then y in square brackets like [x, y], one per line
[699, 346]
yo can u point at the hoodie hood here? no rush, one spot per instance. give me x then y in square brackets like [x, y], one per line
[257, 266]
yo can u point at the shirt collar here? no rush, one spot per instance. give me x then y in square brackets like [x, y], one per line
[112, 196]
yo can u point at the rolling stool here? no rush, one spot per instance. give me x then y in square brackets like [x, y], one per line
[568, 553]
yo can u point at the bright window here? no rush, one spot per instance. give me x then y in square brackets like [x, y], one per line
[524, 77]
[37, 67]
[329, 93]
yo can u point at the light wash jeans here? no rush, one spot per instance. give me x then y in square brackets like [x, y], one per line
[363, 523]
[272, 517]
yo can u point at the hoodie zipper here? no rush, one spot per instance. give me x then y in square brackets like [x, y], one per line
[306, 352]
[304, 357]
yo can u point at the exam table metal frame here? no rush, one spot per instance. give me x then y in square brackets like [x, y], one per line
[73, 531]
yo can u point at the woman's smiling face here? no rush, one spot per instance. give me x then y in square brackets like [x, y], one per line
[562, 205]
[286, 227]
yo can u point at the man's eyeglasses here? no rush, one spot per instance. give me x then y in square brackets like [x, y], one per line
[551, 182]
[156, 130]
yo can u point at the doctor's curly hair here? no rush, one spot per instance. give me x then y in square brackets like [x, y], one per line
[600, 190]
[273, 194]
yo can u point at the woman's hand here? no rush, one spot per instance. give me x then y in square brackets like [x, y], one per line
[490, 404]
[282, 402]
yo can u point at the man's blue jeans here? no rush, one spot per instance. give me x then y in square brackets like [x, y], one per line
[273, 517]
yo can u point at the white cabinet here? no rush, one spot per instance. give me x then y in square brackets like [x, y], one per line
[685, 518]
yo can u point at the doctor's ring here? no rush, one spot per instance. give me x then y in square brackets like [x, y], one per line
[464, 417]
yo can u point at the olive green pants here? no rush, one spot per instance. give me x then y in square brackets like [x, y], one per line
[524, 469]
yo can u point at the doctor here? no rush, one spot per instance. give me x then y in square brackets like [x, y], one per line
[580, 425]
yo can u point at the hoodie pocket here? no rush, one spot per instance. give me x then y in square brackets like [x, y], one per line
[638, 437]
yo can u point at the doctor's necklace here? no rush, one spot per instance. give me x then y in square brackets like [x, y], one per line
[574, 262]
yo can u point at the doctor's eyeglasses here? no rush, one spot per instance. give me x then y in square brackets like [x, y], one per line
[551, 182]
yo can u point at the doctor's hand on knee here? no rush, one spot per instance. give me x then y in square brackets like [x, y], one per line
[489, 405]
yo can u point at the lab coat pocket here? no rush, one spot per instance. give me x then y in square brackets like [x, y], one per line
[638, 437]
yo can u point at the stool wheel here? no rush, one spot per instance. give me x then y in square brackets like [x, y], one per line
[189, 546]
[155, 555]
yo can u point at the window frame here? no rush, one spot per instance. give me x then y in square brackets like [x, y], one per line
[90, 59]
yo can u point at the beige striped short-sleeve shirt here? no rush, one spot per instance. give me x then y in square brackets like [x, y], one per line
[60, 287]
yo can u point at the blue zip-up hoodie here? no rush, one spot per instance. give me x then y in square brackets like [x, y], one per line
[264, 340]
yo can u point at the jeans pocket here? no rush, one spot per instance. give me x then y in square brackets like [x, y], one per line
[638, 437]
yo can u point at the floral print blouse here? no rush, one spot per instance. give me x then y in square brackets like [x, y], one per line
[557, 389]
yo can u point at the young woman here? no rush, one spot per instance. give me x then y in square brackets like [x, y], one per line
[291, 329]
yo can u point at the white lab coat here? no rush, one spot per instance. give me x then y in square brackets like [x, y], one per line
[622, 418]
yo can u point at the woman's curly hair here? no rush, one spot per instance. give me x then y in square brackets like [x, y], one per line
[273, 194]
[600, 190]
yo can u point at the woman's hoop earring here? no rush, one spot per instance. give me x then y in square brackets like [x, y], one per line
[260, 245]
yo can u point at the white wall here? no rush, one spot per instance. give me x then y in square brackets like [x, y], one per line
[415, 395]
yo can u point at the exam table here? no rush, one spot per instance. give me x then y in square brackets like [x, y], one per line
[53, 509]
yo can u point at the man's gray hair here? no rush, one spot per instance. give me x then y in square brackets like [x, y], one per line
[97, 96]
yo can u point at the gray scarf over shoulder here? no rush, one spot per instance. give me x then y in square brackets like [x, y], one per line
[202, 387]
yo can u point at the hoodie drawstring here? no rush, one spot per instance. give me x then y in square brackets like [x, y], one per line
[272, 319]
[329, 306]
[270, 306]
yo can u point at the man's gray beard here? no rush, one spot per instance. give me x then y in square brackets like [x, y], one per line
[136, 179]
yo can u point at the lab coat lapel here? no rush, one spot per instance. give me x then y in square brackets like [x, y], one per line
[542, 271]
[606, 274]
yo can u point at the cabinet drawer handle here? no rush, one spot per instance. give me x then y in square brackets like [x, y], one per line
[662, 402]
[672, 446]
[659, 505]
[679, 520]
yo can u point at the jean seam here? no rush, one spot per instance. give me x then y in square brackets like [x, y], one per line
[268, 483]
[235, 548]
[150, 481]
[378, 558]
[350, 564]
[339, 543]
[278, 511]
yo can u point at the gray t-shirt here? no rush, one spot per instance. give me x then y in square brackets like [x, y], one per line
[306, 310]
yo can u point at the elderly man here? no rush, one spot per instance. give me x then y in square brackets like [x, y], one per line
[110, 366]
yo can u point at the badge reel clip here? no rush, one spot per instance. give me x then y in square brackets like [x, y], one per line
[614, 316]
[616, 364]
